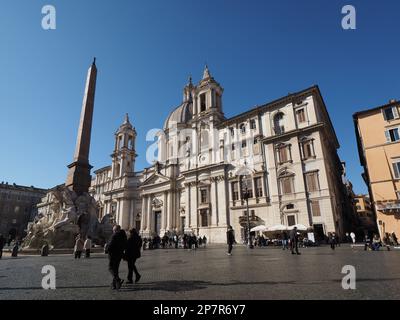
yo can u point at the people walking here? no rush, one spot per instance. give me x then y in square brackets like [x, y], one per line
[394, 239]
[230, 239]
[285, 239]
[367, 242]
[132, 253]
[294, 241]
[87, 246]
[205, 241]
[353, 238]
[332, 240]
[2, 244]
[116, 250]
[78, 247]
[15, 249]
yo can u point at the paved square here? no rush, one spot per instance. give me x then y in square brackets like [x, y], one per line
[261, 273]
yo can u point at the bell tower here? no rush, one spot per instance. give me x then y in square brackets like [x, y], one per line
[208, 100]
[124, 155]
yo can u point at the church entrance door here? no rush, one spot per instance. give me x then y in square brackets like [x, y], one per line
[157, 222]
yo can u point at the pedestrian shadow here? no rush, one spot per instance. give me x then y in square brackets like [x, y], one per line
[176, 285]
[58, 287]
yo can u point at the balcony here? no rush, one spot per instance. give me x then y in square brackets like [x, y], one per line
[389, 206]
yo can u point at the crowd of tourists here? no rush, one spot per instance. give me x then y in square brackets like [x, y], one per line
[169, 241]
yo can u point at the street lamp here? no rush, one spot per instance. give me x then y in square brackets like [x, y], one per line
[246, 197]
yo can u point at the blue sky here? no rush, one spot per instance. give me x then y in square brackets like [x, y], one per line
[257, 50]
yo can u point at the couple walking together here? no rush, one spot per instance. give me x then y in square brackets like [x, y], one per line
[120, 247]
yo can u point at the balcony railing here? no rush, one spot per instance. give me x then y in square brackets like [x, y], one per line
[389, 206]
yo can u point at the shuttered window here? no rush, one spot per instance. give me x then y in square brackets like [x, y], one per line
[316, 211]
[312, 181]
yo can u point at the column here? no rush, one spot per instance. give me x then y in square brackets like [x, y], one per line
[170, 206]
[214, 201]
[187, 205]
[223, 202]
[165, 211]
[124, 212]
[132, 215]
[193, 207]
[148, 214]
[143, 223]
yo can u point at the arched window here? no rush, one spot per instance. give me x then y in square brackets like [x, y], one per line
[130, 143]
[242, 128]
[279, 126]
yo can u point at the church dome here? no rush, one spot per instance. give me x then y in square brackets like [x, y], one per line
[180, 115]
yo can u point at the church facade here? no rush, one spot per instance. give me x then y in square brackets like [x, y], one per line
[282, 155]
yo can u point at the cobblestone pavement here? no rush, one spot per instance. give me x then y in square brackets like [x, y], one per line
[261, 273]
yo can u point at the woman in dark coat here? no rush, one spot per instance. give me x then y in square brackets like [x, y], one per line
[132, 253]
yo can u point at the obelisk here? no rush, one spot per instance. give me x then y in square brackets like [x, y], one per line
[79, 178]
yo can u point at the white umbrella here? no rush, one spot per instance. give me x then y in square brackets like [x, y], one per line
[259, 228]
[299, 227]
[278, 227]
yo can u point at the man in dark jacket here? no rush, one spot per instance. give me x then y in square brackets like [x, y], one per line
[294, 240]
[116, 250]
[230, 239]
[132, 252]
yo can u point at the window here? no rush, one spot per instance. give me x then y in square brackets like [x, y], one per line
[287, 184]
[204, 217]
[291, 220]
[244, 144]
[203, 196]
[396, 169]
[308, 149]
[301, 115]
[202, 102]
[312, 181]
[243, 128]
[130, 143]
[279, 127]
[283, 153]
[256, 147]
[258, 185]
[252, 214]
[235, 191]
[392, 135]
[249, 185]
[290, 206]
[218, 99]
[398, 195]
[253, 124]
[232, 131]
[316, 212]
[390, 113]
[233, 146]
[204, 139]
